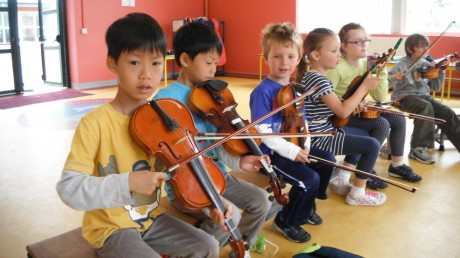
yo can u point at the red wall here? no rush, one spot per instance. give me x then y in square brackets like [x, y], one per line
[87, 53]
[244, 21]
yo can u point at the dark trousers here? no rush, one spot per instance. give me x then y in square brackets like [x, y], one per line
[423, 133]
[305, 182]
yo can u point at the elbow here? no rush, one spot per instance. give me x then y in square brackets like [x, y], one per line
[342, 115]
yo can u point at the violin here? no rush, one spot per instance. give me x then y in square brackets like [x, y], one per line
[358, 80]
[354, 85]
[197, 184]
[285, 95]
[293, 122]
[212, 101]
[432, 71]
[428, 48]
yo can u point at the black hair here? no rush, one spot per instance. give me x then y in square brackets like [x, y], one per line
[135, 31]
[195, 38]
[415, 40]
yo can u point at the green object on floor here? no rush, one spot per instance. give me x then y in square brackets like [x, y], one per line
[259, 245]
[309, 249]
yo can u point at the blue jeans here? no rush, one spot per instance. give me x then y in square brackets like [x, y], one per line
[360, 149]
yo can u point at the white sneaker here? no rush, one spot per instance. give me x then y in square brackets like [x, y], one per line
[368, 199]
[340, 187]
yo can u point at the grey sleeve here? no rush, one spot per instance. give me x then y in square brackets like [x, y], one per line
[232, 162]
[436, 83]
[84, 192]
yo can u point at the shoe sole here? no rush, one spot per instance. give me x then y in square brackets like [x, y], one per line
[290, 239]
[399, 176]
[309, 222]
[412, 156]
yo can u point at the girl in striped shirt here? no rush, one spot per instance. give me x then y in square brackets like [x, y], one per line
[322, 50]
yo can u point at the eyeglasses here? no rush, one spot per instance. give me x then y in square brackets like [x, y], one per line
[360, 42]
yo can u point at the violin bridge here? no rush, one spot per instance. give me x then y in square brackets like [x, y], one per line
[181, 140]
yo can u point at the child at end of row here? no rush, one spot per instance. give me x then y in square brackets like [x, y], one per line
[197, 49]
[109, 176]
[322, 49]
[354, 43]
[282, 47]
[412, 94]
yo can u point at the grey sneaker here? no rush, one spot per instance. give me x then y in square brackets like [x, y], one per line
[421, 154]
[340, 187]
[385, 152]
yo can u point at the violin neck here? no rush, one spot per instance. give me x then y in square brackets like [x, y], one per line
[209, 187]
[238, 124]
[356, 83]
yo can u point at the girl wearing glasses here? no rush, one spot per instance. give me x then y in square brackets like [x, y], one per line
[353, 46]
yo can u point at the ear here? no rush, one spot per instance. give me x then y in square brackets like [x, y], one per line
[315, 55]
[111, 64]
[410, 51]
[184, 59]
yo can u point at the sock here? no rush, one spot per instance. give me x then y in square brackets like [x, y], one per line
[344, 175]
[397, 164]
[357, 191]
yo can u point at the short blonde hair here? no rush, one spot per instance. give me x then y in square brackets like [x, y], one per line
[283, 33]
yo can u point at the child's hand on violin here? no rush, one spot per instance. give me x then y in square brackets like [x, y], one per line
[360, 108]
[371, 82]
[252, 162]
[302, 156]
[398, 76]
[145, 182]
[217, 216]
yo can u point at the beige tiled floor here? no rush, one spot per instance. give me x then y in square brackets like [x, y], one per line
[34, 141]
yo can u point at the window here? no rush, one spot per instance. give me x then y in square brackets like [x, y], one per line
[4, 28]
[379, 16]
[28, 26]
[374, 15]
[432, 15]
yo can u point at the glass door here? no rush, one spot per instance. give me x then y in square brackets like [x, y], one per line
[50, 41]
[11, 79]
[53, 42]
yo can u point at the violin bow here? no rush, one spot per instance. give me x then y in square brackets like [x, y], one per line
[426, 50]
[408, 115]
[239, 131]
[391, 182]
[217, 136]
